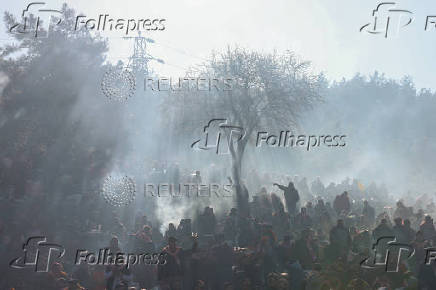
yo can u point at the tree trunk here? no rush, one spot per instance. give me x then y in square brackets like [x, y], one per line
[241, 194]
[237, 160]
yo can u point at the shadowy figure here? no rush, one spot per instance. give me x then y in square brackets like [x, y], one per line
[291, 197]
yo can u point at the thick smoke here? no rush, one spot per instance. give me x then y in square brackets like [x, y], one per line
[62, 136]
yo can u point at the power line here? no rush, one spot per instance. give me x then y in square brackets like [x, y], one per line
[182, 51]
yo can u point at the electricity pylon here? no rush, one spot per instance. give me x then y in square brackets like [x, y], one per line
[138, 62]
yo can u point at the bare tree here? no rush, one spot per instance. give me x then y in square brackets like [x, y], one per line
[268, 90]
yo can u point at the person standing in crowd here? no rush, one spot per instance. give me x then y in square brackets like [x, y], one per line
[291, 197]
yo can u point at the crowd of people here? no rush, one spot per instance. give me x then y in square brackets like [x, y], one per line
[281, 233]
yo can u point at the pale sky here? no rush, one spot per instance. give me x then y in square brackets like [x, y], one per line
[324, 32]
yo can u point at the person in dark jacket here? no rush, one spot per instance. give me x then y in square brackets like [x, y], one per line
[305, 250]
[291, 197]
[340, 241]
[170, 274]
